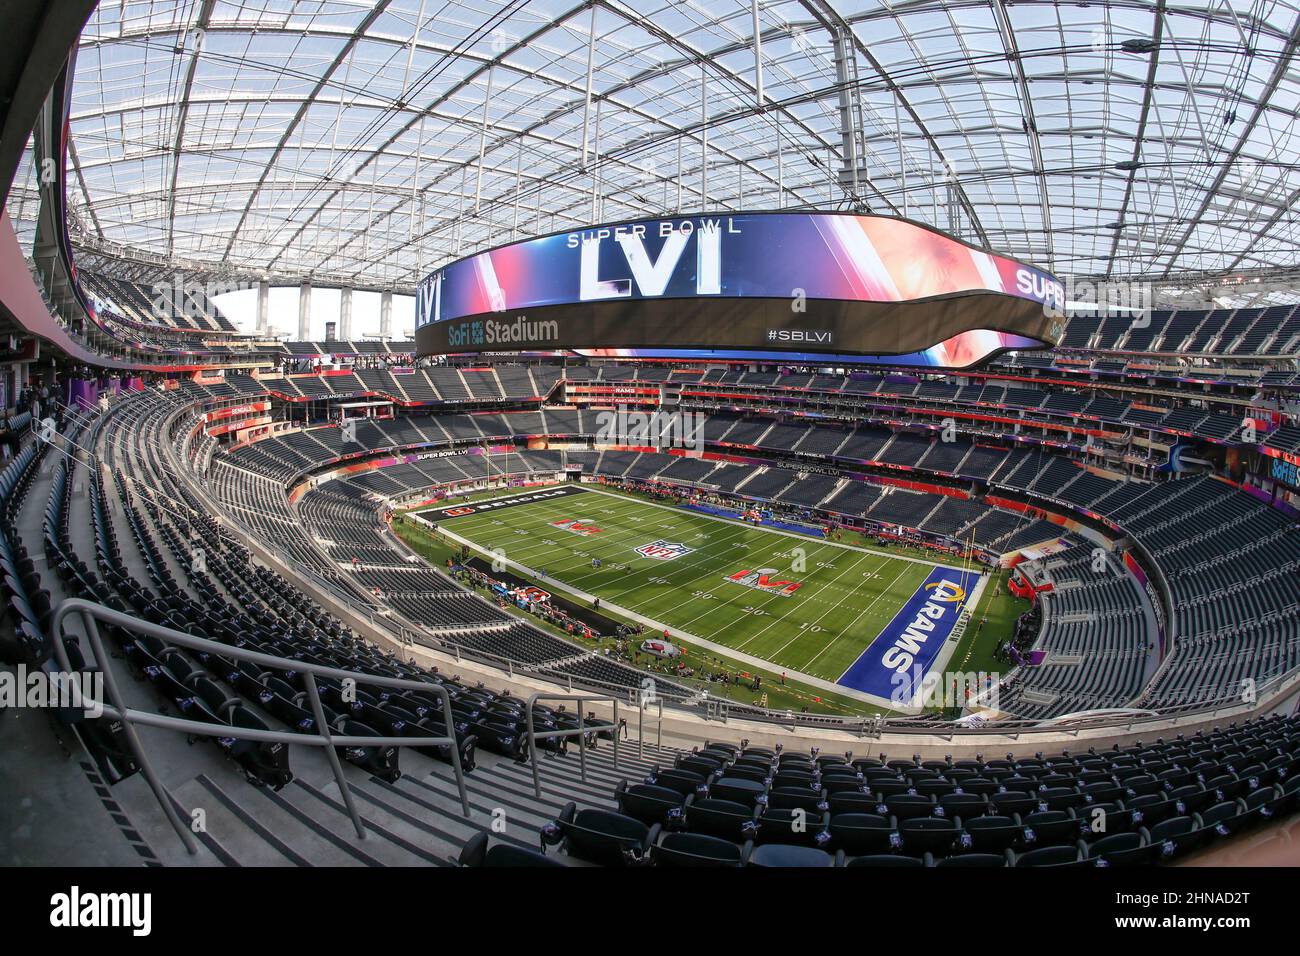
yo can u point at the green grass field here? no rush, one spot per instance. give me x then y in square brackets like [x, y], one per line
[846, 595]
[792, 695]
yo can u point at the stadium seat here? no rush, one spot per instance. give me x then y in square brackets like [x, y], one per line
[1050, 828]
[1097, 820]
[700, 764]
[1010, 804]
[697, 849]
[725, 819]
[737, 790]
[797, 777]
[852, 802]
[1221, 819]
[1259, 805]
[887, 860]
[684, 782]
[601, 836]
[906, 806]
[794, 826]
[990, 834]
[1150, 809]
[922, 835]
[1118, 849]
[1047, 856]
[1191, 798]
[963, 805]
[650, 804]
[832, 785]
[1061, 798]
[1290, 799]
[862, 833]
[381, 762]
[787, 855]
[477, 853]
[973, 860]
[791, 798]
[1172, 837]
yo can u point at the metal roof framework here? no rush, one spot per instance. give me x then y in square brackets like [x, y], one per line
[365, 143]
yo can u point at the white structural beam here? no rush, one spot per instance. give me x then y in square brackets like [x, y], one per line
[304, 312]
[345, 314]
[386, 315]
[263, 307]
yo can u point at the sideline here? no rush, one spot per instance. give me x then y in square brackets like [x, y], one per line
[788, 534]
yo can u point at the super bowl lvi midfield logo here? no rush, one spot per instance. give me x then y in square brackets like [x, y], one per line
[762, 581]
[577, 526]
[662, 550]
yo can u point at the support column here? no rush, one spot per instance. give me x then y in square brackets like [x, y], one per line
[845, 64]
[345, 315]
[263, 308]
[704, 137]
[386, 316]
[304, 312]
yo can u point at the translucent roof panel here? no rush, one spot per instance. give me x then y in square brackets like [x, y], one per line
[366, 143]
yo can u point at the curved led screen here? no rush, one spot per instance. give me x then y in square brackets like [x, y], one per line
[768, 285]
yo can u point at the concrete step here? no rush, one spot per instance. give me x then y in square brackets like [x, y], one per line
[391, 838]
[230, 830]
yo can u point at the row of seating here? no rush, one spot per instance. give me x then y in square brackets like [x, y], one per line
[723, 805]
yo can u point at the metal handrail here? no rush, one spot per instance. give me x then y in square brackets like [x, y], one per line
[90, 613]
[580, 731]
[640, 727]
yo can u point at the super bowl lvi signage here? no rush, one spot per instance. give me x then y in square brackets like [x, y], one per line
[763, 580]
[789, 284]
[652, 275]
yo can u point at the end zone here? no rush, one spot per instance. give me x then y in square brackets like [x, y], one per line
[896, 663]
[446, 512]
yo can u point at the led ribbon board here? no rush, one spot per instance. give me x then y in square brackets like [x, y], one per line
[772, 286]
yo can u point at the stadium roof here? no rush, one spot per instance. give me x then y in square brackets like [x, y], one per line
[365, 143]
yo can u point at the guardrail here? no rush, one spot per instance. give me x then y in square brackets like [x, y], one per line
[90, 614]
[580, 732]
[659, 727]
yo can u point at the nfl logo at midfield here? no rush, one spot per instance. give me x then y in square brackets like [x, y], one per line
[662, 550]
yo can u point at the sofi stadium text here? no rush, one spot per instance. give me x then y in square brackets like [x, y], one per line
[1169, 896]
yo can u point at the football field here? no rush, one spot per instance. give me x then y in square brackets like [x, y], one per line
[805, 605]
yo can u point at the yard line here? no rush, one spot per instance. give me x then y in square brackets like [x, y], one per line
[729, 602]
[763, 630]
[864, 611]
[619, 543]
[704, 555]
[708, 553]
[823, 614]
[622, 534]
